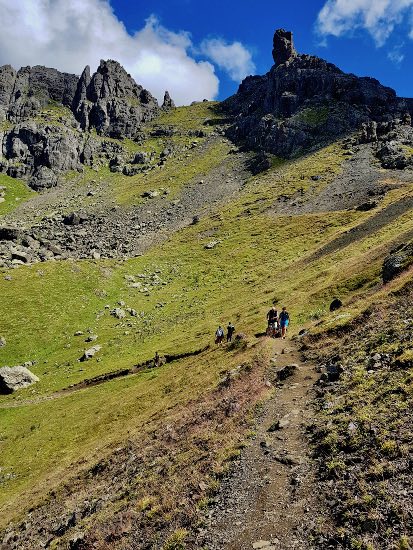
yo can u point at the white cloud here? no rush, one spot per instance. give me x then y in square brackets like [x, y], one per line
[68, 35]
[233, 58]
[396, 55]
[378, 17]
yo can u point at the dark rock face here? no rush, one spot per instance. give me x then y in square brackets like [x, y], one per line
[304, 101]
[168, 102]
[109, 101]
[112, 102]
[398, 261]
[23, 93]
[283, 47]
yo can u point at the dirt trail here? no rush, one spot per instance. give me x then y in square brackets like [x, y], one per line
[270, 500]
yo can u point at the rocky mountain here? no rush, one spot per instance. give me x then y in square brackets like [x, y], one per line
[304, 102]
[108, 102]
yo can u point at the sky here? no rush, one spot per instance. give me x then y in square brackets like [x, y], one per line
[200, 49]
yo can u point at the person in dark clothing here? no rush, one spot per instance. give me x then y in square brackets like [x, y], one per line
[272, 318]
[284, 321]
[230, 331]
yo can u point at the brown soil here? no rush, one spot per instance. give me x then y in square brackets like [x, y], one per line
[270, 495]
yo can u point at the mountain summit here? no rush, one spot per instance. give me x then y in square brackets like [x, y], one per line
[304, 101]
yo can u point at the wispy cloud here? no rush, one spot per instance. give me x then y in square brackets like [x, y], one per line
[378, 17]
[233, 58]
[69, 35]
[396, 55]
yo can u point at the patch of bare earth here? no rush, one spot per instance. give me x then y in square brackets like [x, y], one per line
[269, 500]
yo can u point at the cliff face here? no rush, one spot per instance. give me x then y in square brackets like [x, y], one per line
[109, 102]
[304, 101]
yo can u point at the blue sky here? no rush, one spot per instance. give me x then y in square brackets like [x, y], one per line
[253, 24]
[203, 48]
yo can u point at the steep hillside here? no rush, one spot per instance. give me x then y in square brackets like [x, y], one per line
[146, 247]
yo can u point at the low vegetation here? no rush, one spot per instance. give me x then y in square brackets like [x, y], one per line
[180, 422]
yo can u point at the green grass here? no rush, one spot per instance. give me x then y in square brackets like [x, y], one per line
[260, 257]
[174, 175]
[16, 192]
[191, 117]
[313, 116]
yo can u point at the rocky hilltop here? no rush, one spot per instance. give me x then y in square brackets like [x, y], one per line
[304, 101]
[109, 101]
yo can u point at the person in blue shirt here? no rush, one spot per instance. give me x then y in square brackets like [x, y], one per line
[284, 320]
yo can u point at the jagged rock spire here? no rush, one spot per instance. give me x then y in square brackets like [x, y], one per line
[168, 102]
[283, 46]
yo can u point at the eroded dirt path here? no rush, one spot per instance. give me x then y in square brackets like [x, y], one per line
[270, 500]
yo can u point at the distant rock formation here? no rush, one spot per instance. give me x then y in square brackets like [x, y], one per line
[108, 101]
[168, 102]
[304, 101]
[283, 47]
[112, 102]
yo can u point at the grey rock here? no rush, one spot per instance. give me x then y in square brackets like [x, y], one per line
[369, 131]
[397, 261]
[112, 102]
[10, 234]
[20, 255]
[118, 313]
[168, 102]
[366, 206]
[211, 245]
[15, 378]
[286, 372]
[91, 352]
[75, 218]
[283, 46]
[303, 102]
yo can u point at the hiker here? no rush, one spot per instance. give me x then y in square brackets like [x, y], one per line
[284, 321]
[156, 360]
[272, 318]
[219, 335]
[230, 331]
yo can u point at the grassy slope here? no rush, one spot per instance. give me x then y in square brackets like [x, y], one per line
[363, 439]
[15, 193]
[260, 257]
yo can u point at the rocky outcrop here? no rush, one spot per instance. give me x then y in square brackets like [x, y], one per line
[283, 47]
[35, 149]
[397, 261]
[304, 101]
[168, 102]
[112, 102]
[15, 378]
[25, 92]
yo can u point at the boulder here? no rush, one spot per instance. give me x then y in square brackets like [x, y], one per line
[15, 378]
[2, 341]
[118, 313]
[75, 218]
[286, 372]
[336, 304]
[397, 261]
[89, 353]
